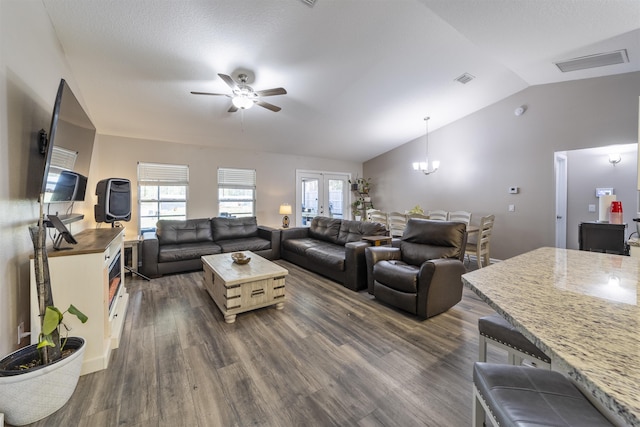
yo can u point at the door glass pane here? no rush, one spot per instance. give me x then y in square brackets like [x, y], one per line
[309, 200]
[336, 198]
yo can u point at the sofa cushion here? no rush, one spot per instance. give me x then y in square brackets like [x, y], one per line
[234, 228]
[352, 231]
[326, 229]
[328, 255]
[183, 251]
[298, 246]
[244, 244]
[397, 275]
[171, 232]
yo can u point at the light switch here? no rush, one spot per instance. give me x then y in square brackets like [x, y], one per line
[592, 208]
[512, 208]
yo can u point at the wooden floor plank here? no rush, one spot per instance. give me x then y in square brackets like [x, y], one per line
[330, 357]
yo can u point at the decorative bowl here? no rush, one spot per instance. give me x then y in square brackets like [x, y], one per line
[240, 258]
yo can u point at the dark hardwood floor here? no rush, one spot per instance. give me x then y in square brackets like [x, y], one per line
[332, 357]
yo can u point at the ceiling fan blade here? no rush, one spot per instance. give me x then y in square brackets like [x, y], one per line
[228, 80]
[209, 93]
[271, 92]
[268, 106]
[232, 109]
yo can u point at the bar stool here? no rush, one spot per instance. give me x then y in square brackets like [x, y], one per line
[524, 396]
[495, 330]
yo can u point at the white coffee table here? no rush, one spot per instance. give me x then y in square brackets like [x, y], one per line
[237, 288]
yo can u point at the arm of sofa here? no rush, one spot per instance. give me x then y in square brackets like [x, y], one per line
[375, 254]
[150, 248]
[439, 286]
[294, 233]
[355, 265]
[273, 235]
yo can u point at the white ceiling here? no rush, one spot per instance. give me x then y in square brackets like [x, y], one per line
[360, 74]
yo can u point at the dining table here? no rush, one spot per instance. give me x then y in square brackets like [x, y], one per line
[581, 309]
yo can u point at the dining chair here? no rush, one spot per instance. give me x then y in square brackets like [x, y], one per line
[417, 216]
[438, 215]
[397, 222]
[460, 216]
[375, 215]
[478, 244]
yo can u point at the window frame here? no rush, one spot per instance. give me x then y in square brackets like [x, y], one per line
[236, 179]
[161, 175]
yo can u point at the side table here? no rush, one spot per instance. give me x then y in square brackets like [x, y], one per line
[133, 245]
[377, 240]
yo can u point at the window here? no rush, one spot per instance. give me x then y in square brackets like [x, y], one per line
[162, 192]
[236, 192]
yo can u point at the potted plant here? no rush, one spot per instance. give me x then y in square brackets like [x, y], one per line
[37, 380]
[356, 209]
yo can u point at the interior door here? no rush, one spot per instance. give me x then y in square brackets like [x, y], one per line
[560, 159]
[320, 194]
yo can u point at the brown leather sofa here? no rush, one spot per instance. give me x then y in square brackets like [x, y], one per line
[422, 273]
[331, 247]
[176, 246]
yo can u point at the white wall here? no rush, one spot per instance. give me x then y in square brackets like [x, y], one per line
[485, 153]
[118, 157]
[31, 66]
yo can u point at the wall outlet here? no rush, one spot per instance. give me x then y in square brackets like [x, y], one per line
[592, 208]
[512, 208]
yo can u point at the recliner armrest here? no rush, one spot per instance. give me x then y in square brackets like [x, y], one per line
[374, 254]
[439, 286]
[273, 235]
[150, 249]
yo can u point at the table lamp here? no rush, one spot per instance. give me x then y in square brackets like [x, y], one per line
[285, 209]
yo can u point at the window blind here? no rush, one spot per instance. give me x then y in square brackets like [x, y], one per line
[245, 178]
[63, 159]
[158, 173]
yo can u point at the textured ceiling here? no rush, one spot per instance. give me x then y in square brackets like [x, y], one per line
[360, 74]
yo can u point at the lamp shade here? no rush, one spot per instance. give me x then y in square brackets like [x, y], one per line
[285, 209]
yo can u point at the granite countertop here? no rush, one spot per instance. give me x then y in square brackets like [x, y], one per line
[581, 309]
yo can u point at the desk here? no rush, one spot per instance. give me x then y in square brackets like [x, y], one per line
[581, 309]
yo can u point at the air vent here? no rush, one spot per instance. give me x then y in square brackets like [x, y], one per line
[309, 3]
[465, 78]
[593, 61]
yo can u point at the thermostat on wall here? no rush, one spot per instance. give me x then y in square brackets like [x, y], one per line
[604, 192]
[514, 190]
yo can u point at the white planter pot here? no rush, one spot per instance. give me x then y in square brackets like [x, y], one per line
[28, 397]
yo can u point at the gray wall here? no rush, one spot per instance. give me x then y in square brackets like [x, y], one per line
[485, 153]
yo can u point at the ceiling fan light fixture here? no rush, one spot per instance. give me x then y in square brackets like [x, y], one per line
[242, 102]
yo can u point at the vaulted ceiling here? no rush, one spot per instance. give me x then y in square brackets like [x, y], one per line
[360, 74]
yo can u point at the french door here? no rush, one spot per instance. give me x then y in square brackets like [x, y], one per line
[321, 194]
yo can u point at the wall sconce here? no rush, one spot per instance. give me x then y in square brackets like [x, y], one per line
[285, 209]
[424, 166]
[614, 158]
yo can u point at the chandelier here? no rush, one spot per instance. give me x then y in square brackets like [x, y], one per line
[424, 166]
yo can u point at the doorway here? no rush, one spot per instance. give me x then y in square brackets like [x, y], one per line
[321, 194]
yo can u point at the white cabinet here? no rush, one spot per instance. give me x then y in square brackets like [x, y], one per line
[82, 276]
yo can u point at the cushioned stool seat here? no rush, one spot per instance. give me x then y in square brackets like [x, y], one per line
[496, 330]
[524, 396]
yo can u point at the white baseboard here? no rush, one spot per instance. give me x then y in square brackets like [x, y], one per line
[1, 420]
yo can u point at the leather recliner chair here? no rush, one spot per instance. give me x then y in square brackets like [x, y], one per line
[422, 272]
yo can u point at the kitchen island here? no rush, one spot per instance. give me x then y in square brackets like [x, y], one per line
[581, 309]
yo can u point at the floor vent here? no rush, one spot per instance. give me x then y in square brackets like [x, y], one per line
[593, 61]
[309, 3]
[465, 78]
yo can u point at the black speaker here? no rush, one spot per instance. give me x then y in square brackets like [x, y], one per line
[114, 200]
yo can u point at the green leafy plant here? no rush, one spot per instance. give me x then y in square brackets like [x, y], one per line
[416, 210]
[53, 319]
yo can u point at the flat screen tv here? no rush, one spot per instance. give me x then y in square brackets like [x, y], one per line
[67, 149]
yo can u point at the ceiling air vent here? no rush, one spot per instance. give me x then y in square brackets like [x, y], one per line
[593, 61]
[309, 3]
[465, 78]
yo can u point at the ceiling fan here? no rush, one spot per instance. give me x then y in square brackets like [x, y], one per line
[243, 96]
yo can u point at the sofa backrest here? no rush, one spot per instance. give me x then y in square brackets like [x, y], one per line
[323, 228]
[352, 231]
[234, 228]
[171, 232]
[423, 240]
